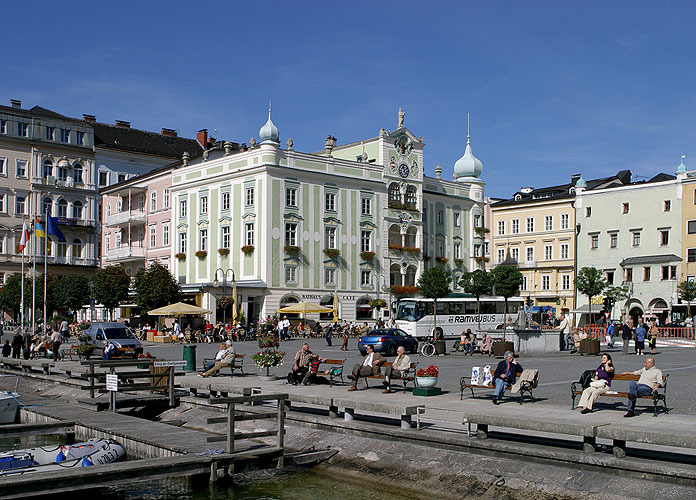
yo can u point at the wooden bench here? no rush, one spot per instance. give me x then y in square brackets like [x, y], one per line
[660, 395]
[524, 387]
[404, 412]
[408, 376]
[237, 364]
[26, 365]
[335, 371]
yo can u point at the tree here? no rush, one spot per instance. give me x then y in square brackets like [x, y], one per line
[476, 283]
[72, 292]
[614, 294]
[51, 292]
[434, 284]
[111, 285]
[155, 287]
[506, 282]
[590, 282]
[687, 292]
[11, 293]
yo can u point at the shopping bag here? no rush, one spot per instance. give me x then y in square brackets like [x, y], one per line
[475, 374]
[487, 378]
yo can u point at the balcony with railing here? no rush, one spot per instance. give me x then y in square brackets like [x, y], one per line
[125, 217]
[124, 254]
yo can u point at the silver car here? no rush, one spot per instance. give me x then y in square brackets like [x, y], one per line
[119, 335]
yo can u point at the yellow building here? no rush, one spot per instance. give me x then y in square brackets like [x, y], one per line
[688, 247]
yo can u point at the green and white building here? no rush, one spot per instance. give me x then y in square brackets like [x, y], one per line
[358, 219]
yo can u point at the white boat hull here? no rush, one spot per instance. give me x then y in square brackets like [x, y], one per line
[8, 407]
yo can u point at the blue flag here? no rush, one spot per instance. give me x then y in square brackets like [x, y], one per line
[52, 228]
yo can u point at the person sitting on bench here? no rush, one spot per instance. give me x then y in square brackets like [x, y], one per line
[486, 344]
[218, 356]
[505, 374]
[300, 367]
[226, 360]
[599, 385]
[397, 369]
[649, 382]
[369, 366]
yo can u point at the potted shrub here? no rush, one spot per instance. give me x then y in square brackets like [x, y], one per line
[427, 377]
[248, 249]
[458, 262]
[291, 249]
[84, 350]
[268, 359]
[378, 303]
[481, 230]
[481, 259]
[589, 345]
[367, 255]
[332, 252]
[201, 254]
[180, 256]
[500, 346]
[224, 251]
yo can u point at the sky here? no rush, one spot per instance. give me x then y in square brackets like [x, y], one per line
[553, 88]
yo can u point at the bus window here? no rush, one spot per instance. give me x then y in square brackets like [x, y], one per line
[471, 308]
[442, 308]
[488, 307]
[513, 307]
[456, 308]
[424, 309]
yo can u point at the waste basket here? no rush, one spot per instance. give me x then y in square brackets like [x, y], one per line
[190, 357]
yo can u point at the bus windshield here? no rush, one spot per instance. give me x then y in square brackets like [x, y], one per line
[406, 311]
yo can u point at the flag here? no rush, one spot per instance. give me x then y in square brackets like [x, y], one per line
[52, 228]
[38, 228]
[24, 241]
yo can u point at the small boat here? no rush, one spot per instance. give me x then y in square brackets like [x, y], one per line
[8, 407]
[59, 457]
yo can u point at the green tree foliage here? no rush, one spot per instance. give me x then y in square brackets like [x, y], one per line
[687, 292]
[506, 282]
[615, 294]
[434, 284]
[11, 294]
[72, 292]
[111, 285]
[155, 287]
[591, 283]
[477, 283]
[51, 293]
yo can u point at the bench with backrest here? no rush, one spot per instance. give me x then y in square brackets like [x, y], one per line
[237, 364]
[525, 387]
[333, 370]
[408, 376]
[660, 395]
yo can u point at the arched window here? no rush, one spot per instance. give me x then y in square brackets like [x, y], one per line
[46, 205]
[289, 300]
[411, 198]
[411, 236]
[327, 301]
[410, 278]
[62, 208]
[395, 275]
[77, 248]
[47, 168]
[77, 210]
[63, 167]
[362, 309]
[77, 173]
[395, 235]
[394, 192]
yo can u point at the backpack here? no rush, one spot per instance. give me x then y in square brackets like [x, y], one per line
[587, 377]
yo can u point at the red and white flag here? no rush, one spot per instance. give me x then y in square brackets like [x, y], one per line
[24, 241]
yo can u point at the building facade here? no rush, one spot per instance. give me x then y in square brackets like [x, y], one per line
[359, 219]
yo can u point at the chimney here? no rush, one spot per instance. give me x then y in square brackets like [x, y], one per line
[202, 138]
[574, 178]
[120, 123]
[15, 103]
[169, 132]
[89, 118]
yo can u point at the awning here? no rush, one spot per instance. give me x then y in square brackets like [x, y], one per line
[650, 259]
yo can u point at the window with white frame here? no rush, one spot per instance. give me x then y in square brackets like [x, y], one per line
[565, 249]
[166, 198]
[64, 135]
[50, 133]
[47, 169]
[21, 168]
[477, 220]
[457, 250]
[515, 254]
[103, 178]
[330, 237]
[515, 226]
[290, 197]
[3, 204]
[548, 223]
[524, 283]
[76, 248]
[249, 196]
[291, 274]
[291, 234]
[365, 278]
[165, 234]
[565, 281]
[77, 209]
[62, 208]
[365, 240]
[366, 206]
[594, 241]
[204, 205]
[565, 221]
[46, 205]
[182, 242]
[107, 242]
[635, 238]
[80, 138]
[153, 201]
[501, 227]
[548, 252]
[225, 201]
[456, 219]
[153, 236]
[624, 208]
[330, 202]
[3, 166]
[610, 277]
[613, 240]
[438, 216]
[530, 254]
[530, 224]
[203, 240]
[394, 192]
[667, 205]
[77, 174]
[664, 237]
[20, 205]
[249, 234]
[411, 197]
[225, 237]
[183, 209]
[546, 282]
[501, 255]
[588, 211]
[23, 129]
[330, 276]
[477, 251]
[3, 126]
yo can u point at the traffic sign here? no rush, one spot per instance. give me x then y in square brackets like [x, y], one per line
[111, 382]
[169, 363]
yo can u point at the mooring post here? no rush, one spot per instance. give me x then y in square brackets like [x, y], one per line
[171, 387]
[281, 431]
[230, 437]
[91, 380]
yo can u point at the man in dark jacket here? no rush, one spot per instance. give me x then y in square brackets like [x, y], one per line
[627, 334]
[505, 375]
[17, 344]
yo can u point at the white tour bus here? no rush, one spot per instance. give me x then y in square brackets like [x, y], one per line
[454, 315]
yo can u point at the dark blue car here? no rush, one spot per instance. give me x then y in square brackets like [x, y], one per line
[387, 340]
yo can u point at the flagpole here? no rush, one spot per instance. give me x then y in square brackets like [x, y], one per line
[22, 301]
[45, 271]
[33, 268]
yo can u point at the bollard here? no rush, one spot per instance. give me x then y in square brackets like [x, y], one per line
[190, 357]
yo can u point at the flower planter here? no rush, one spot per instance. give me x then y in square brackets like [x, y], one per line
[499, 348]
[426, 382]
[589, 347]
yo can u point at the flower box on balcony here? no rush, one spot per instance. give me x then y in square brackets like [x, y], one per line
[367, 255]
[395, 247]
[481, 230]
[404, 290]
[224, 251]
[481, 259]
[180, 256]
[332, 252]
[395, 204]
[458, 262]
[442, 260]
[248, 249]
[413, 250]
[201, 254]
[291, 249]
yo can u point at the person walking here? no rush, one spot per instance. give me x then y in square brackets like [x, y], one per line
[640, 335]
[626, 334]
[652, 336]
[56, 338]
[17, 343]
[64, 330]
[328, 332]
[565, 330]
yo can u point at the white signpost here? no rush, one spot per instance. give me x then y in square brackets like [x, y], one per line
[169, 363]
[112, 386]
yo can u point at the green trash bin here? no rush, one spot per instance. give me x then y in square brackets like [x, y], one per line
[190, 357]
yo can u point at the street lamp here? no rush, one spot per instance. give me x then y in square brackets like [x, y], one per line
[216, 284]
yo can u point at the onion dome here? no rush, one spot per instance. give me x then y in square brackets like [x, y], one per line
[468, 165]
[681, 169]
[269, 132]
[580, 183]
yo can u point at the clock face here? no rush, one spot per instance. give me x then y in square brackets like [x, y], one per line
[404, 170]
